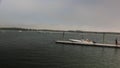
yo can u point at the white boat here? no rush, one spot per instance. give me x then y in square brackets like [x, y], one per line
[86, 42]
[82, 41]
[19, 31]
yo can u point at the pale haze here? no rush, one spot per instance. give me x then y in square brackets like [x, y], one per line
[90, 15]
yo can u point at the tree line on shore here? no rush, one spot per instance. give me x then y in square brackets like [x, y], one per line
[76, 31]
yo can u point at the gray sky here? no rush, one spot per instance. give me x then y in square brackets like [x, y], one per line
[93, 15]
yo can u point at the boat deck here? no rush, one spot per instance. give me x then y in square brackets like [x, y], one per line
[88, 44]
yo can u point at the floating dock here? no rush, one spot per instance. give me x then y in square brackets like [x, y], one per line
[88, 44]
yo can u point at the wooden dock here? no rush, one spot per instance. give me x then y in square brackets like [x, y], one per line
[85, 44]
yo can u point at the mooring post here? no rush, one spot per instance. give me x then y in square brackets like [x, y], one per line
[63, 34]
[82, 35]
[116, 41]
[103, 38]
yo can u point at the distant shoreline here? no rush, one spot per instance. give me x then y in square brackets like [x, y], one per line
[75, 31]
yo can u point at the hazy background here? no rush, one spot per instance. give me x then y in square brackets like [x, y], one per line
[93, 15]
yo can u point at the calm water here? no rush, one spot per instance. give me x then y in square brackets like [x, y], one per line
[39, 50]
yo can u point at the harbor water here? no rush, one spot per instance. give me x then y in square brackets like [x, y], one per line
[39, 50]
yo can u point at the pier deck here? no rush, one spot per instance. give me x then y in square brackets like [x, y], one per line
[85, 44]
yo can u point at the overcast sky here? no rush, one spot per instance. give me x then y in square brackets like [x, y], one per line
[93, 15]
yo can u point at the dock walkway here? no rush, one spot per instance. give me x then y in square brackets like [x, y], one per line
[85, 44]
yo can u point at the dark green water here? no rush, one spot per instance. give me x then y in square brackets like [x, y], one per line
[39, 50]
